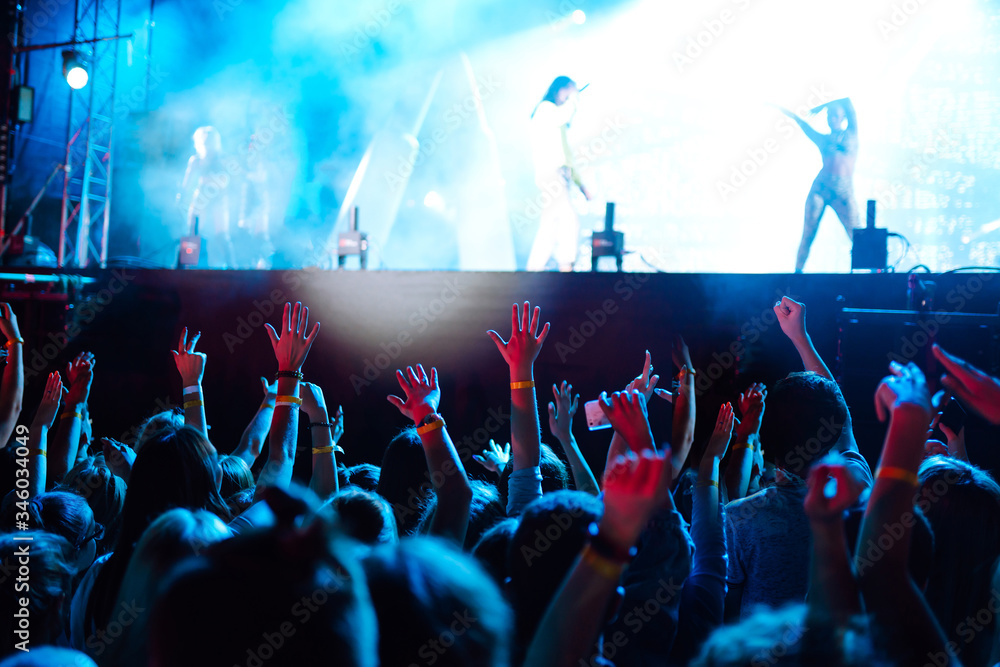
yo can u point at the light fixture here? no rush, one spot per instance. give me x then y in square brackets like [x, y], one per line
[74, 70]
[579, 17]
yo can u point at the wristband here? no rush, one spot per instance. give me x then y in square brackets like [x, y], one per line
[193, 404]
[37, 452]
[288, 400]
[288, 374]
[432, 426]
[192, 389]
[899, 474]
[527, 384]
[607, 550]
[13, 341]
[269, 406]
[744, 445]
[70, 415]
[605, 567]
[323, 450]
[321, 425]
[707, 483]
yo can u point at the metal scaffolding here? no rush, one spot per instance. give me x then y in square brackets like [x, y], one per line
[89, 157]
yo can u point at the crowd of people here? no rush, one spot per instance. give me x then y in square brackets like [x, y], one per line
[768, 542]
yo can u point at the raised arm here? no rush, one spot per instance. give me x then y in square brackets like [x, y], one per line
[252, 440]
[66, 440]
[976, 389]
[739, 470]
[849, 112]
[900, 612]
[324, 434]
[12, 383]
[191, 367]
[814, 136]
[561, 413]
[38, 435]
[682, 433]
[421, 397]
[646, 384]
[792, 319]
[291, 347]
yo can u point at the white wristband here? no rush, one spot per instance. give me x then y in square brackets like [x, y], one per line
[193, 389]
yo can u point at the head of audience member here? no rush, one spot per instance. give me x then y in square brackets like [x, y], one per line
[291, 591]
[552, 532]
[64, 514]
[236, 476]
[172, 537]
[103, 490]
[435, 603]
[364, 476]
[491, 550]
[161, 421]
[48, 656]
[555, 473]
[962, 504]
[48, 594]
[805, 417]
[364, 515]
[404, 479]
[485, 510]
[176, 468]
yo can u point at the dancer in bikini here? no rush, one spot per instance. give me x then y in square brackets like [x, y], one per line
[834, 185]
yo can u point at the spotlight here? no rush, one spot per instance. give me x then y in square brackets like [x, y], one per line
[74, 70]
[579, 17]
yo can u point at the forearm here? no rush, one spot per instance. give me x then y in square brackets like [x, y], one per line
[450, 483]
[740, 467]
[284, 432]
[63, 448]
[683, 426]
[618, 447]
[525, 435]
[37, 459]
[811, 360]
[11, 392]
[833, 592]
[582, 474]
[323, 481]
[194, 406]
[253, 437]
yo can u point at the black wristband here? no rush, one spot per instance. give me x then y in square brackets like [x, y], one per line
[288, 374]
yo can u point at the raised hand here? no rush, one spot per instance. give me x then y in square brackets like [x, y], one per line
[645, 383]
[494, 458]
[80, 376]
[634, 487]
[723, 432]
[313, 401]
[8, 323]
[561, 411]
[627, 413]
[190, 364]
[292, 346]
[973, 387]
[270, 388]
[525, 341]
[679, 353]
[905, 387]
[118, 456]
[832, 489]
[935, 448]
[422, 394]
[751, 405]
[49, 406]
[791, 318]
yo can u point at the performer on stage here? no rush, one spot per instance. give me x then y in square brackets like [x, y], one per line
[559, 228]
[834, 185]
[210, 199]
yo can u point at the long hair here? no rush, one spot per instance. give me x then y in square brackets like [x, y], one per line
[176, 468]
[103, 490]
[557, 84]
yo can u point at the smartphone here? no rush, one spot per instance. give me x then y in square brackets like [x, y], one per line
[596, 419]
[953, 416]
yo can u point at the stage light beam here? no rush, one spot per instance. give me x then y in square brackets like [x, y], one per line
[579, 17]
[74, 70]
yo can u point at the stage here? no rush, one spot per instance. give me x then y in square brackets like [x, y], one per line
[374, 322]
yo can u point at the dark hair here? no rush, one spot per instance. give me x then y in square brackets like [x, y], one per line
[557, 84]
[920, 561]
[425, 590]
[552, 532]
[404, 479]
[104, 491]
[485, 510]
[364, 476]
[491, 549]
[364, 515]
[175, 468]
[48, 595]
[64, 514]
[236, 476]
[555, 473]
[804, 419]
[962, 504]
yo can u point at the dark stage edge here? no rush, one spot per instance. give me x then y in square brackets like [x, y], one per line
[374, 322]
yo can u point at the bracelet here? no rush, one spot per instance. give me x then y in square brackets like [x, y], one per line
[706, 484]
[71, 415]
[432, 426]
[193, 404]
[744, 445]
[267, 405]
[37, 452]
[321, 425]
[192, 389]
[288, 400]
[288, 374]
[900, 474]
[13, 341]
[607, 550]
[323, 450]
[603, 566]
[527, 384]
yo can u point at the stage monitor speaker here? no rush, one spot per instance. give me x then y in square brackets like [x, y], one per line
[193, 253]
[608, 243]
[871, 244]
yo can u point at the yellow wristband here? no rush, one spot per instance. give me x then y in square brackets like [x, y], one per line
[37, 452]
[433, 426]
[267, 405]
[899, 474]
[527, 384]
[707, 483]
[13, 341]
[288, 400]
[745, 445]
[603, 566]
[70, 415]
[193, 404]
[323, 450]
